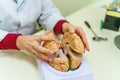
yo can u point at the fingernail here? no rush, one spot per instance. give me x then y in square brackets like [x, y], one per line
[53, 39]
[49, 59]
[72, 31]
[88, 49]
[51, 52]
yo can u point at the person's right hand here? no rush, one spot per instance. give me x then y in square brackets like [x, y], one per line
[31, 43]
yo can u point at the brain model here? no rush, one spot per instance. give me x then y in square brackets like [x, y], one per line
[68, 53]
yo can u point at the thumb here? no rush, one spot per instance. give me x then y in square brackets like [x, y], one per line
[71, 29]
[46, 38]
[68, 27]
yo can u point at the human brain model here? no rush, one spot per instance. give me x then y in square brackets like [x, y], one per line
[68, 53]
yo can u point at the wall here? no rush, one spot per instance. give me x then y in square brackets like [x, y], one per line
[68, 6]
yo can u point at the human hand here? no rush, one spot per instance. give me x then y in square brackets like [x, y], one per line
[31, 43]
[74, 29]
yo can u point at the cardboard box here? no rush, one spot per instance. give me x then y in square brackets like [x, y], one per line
[84, 72]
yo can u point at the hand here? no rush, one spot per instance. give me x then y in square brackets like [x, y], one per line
[31, 43]
[74, 29]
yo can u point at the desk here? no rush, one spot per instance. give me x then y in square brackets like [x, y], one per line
[104, 56]
[17, 65]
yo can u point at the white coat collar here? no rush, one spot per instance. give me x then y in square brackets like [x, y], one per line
[19, 3]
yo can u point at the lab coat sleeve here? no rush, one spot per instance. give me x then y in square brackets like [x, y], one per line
[8, 40]
[50, 15]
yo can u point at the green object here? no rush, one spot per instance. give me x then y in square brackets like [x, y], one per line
[101, 24]
[69, 61]
[73, 69]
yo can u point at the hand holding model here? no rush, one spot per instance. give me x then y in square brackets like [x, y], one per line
[69, 54]
[78, 30]
[32, 43]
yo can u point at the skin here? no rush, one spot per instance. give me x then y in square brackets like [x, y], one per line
[78, 30]
[31, 43]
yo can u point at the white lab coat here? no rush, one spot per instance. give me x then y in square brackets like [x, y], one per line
[20, 17]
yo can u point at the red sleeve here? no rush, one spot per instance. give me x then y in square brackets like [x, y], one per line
[58, 26]
[9, 42]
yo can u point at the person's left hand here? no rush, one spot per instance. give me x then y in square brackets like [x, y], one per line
[74, 29]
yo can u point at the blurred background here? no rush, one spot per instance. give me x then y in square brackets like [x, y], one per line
[69, 6]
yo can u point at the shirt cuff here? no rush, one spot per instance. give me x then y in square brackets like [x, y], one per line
[9, 42]
[58, 26]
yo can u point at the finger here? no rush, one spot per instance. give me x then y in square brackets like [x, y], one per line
[44, 38]
[85, 42]
[50, 37]
[40, 56]
[45, 34]
[82, 35]
[71, 29]
[46, 52]
[36, 48]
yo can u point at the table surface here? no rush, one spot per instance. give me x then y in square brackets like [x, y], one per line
[18, 65]
[103, 57]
